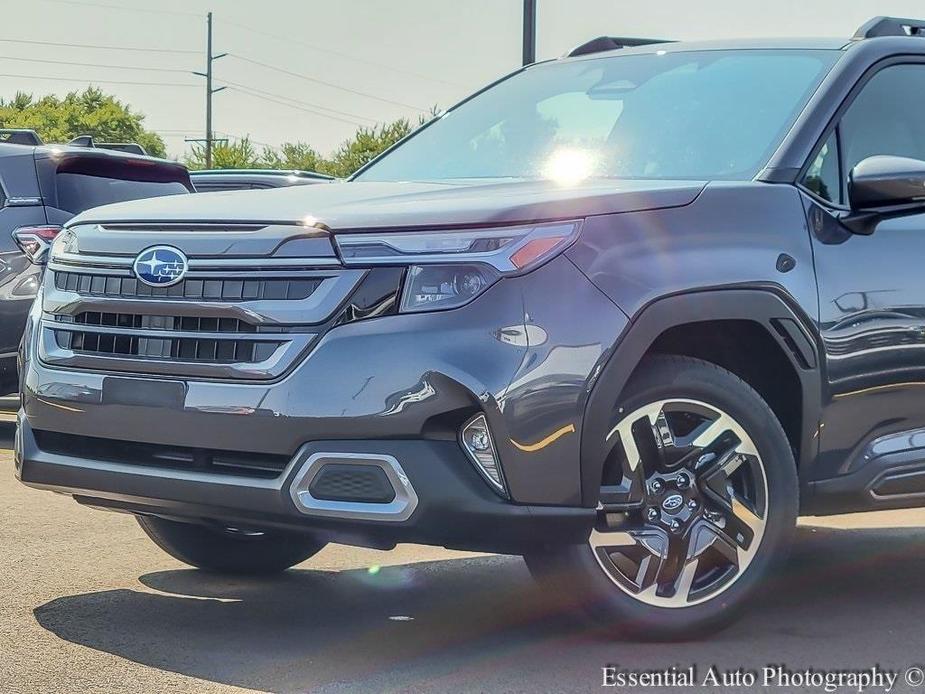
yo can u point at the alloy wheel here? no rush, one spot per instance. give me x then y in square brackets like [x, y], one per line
[683, 506]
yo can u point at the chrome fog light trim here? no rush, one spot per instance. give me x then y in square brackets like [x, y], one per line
[399, 509]
[475, 439]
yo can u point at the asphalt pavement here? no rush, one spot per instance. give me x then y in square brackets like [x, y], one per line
[90, 605]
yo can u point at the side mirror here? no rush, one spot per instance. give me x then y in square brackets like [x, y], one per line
[882, 187]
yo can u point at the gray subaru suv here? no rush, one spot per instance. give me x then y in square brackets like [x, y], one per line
[625, 313]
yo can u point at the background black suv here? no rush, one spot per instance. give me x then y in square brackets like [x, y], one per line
[41, 188]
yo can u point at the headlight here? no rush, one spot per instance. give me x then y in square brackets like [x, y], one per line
[450, 268]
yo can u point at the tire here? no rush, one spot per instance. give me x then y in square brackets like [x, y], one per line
[727, 509]
[227, 551]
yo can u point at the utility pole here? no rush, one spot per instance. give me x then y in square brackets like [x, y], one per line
[209, 90]
[529, 32]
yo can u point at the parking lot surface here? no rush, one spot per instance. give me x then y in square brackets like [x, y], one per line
[89, 604]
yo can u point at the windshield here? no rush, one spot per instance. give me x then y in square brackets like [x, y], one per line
[675, 115]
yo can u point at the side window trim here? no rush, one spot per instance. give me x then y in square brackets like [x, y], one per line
[842, 174]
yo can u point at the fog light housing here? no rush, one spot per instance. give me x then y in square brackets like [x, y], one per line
[475, 439]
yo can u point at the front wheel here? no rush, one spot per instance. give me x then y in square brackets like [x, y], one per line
[698, 503]
[229, 550]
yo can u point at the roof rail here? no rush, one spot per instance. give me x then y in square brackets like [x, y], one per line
[82, 141]
[127, 147]
[610, 43]
[20, 136]
[890, 26]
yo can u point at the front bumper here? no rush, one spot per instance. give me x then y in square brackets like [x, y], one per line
[454, 506]
[524, 353]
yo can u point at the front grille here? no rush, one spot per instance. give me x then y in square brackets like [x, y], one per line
[270, 289]
[219, 462]
[219, 351]
[229, 318]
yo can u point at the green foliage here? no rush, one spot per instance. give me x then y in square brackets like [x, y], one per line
[294, 155]
[226, 154]
[90, 112]
[365, 144]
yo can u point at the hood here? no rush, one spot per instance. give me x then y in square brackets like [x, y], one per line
[361, 205]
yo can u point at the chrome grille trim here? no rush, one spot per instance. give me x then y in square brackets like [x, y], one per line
[71, 261]
[320, 305]
[290, 346]
[165, 334]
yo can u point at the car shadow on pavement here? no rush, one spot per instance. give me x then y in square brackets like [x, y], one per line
[846, 597]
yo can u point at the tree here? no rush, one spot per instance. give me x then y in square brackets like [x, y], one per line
[239, 154]
[366, 144]
[90, 112]
[295, 155]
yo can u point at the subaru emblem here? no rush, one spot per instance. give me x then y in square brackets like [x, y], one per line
[672, 502]
[160, 266]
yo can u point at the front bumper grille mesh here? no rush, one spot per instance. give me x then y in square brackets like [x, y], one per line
[221, 462]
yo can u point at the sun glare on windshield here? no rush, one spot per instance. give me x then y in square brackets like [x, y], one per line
[569, 166]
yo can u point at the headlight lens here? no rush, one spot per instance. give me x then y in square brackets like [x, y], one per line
[432, 287]
[450, 268]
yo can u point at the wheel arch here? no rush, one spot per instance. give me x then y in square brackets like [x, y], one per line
[661, 322]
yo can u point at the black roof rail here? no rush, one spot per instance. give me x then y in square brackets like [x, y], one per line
[20, 136]
[610, 43]
[890, 26]
[82, 141]
[127, 147]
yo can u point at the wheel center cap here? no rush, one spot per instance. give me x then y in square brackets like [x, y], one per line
[672, 502]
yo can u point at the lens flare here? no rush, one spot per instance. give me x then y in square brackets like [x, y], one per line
[569, 166]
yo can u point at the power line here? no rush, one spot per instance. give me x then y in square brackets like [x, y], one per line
[339, 54]
[127, 9]
[102, 65]
[90, 82]
[290, 105]
[98, 47]
[327, 84]
[297, 101]
[232, 136]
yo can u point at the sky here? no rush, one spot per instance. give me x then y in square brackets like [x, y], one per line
[314, 70]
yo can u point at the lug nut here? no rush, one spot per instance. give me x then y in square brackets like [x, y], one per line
[652, 513]
[683, 480]
[674, 525]
[692, 504]
[657, 486]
